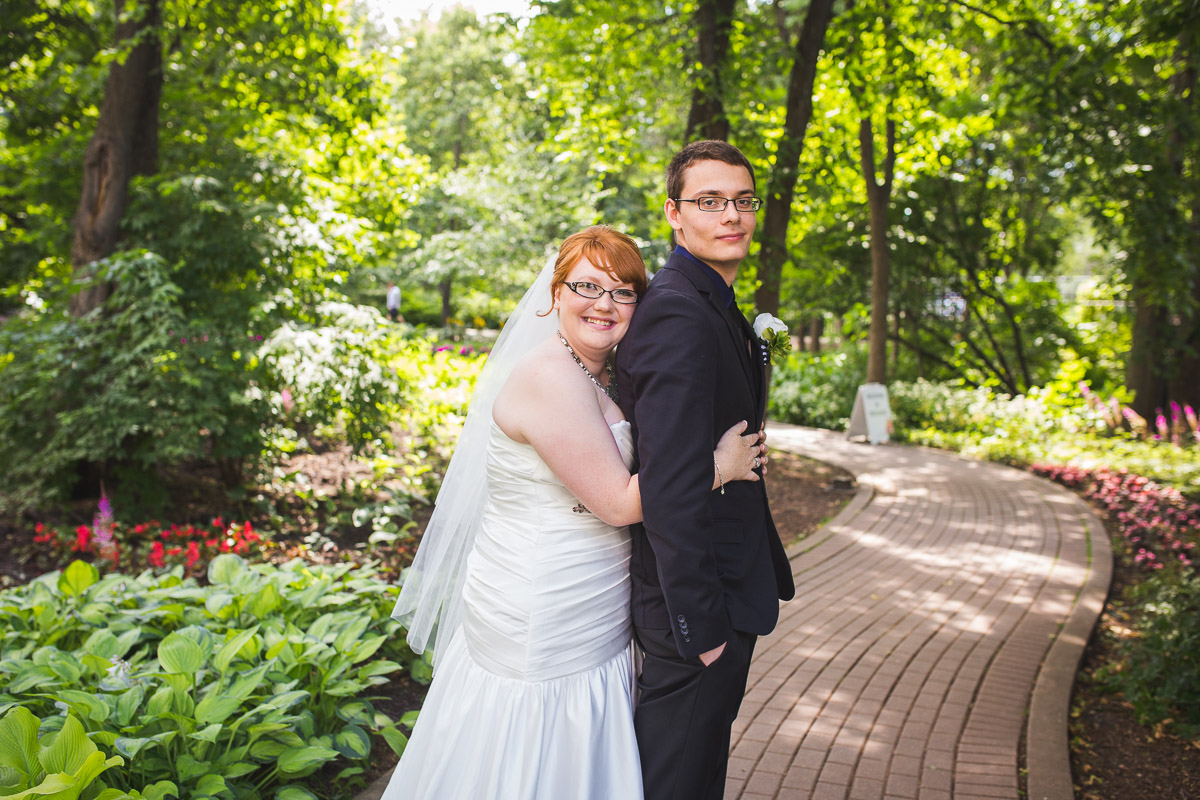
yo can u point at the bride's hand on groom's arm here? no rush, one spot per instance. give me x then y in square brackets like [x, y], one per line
[738, 455]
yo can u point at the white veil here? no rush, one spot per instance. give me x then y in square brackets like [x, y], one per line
[430, 603]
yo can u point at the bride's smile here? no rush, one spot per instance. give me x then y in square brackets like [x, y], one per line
[594, 325]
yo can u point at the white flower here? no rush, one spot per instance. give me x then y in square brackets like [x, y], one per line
[765, 323]
[774, 336]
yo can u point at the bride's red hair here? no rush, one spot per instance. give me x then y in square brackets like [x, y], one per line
[607, 248]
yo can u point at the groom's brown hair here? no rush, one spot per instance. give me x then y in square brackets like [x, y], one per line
[703, 150]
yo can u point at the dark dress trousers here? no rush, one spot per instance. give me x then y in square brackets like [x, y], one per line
[706, 567]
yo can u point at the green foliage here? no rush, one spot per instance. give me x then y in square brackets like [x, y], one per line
[62, 764]
[124, 389]
[1042, 426]
[1158, 669]
[234, 691]
[439, 381]
[336, 372]
[817, 389]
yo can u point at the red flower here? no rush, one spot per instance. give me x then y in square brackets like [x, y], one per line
[193, 554]
[211, 542]
[174, 551]
[81, 538]
[156, 555]
[39, 527]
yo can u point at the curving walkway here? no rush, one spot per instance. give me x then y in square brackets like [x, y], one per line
[938, 621]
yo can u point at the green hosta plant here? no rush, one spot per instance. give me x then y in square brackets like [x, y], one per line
[62, 765]
[235, 690]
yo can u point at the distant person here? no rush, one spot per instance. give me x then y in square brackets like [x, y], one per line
[393, 303]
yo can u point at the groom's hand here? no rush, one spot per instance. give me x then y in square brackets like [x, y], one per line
[712, 655]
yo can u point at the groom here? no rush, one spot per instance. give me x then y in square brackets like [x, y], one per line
[708, 568]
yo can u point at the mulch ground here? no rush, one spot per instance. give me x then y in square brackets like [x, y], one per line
[1113, 757]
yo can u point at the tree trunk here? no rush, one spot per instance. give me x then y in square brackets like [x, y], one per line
[897, 322]
[124, 144]
[1184, 388]
[713, 22]
[915, 326]
[781, 186]
[1142, 374]
[878, 197]
[447, 309]
[815, 328]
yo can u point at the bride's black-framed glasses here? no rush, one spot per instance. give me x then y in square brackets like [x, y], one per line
[713, 203]
[593, 292]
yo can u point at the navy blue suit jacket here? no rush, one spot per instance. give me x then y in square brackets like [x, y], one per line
[704, 563]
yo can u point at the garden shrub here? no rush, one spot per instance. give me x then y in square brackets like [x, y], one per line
[335, 373]
[1041, 426]
[1158, 668]
[234, 690]
[60, 764]
[126, 389]
[817, 389]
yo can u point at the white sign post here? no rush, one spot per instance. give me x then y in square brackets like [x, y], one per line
[871, 414]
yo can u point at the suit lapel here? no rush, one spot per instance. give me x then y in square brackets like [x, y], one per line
[740, 332]
[759, 371]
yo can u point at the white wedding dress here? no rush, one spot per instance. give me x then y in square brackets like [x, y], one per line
[532, 699]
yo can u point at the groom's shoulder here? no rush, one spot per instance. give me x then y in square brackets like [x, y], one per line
[668, 290]
[672, 279]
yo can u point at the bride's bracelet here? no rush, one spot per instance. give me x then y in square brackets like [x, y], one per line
[720, 477]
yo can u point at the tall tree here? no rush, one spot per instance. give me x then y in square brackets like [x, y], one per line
[712, 22]
[125, 144]
[879, 196]
[781, 183]
[1108, 86]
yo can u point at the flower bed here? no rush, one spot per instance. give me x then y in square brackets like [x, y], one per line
[149, 545]
[1159, 525]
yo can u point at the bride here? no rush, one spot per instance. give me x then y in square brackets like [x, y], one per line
[523, 572]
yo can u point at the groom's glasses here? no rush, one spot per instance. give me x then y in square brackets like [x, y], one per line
[709, 203]
[593, 292]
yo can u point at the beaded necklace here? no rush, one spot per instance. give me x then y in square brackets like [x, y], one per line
[611, 389]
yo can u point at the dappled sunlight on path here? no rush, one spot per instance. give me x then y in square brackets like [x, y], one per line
[905, 665]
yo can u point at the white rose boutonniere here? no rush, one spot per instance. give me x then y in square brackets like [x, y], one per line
[774, 336]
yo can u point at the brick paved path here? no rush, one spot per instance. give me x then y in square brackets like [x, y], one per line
[906, 664]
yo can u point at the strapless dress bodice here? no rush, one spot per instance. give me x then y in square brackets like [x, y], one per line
[547, 588]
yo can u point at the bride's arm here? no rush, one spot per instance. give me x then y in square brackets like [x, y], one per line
[546, 405]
